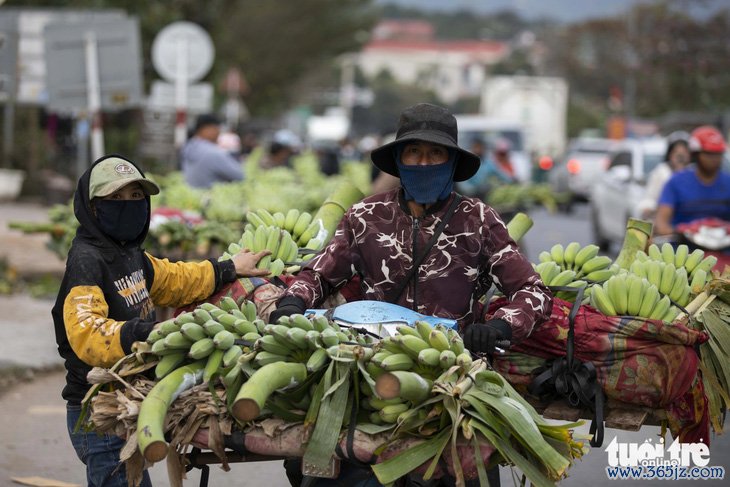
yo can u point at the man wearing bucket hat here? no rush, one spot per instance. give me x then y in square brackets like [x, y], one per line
[109, 291]
[382, 237]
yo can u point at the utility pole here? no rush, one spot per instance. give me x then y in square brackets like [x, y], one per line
[632, 62]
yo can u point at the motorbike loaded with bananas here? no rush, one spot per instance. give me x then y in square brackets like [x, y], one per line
[387, 368]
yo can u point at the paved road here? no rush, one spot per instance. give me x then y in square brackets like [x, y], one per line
[552, 228]
[35, 443]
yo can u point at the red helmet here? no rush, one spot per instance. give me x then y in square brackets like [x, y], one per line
[707, 139]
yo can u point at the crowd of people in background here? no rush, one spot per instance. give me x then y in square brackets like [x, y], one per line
[690, 184]
[675, 190]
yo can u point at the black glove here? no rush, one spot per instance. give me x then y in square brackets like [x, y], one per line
[134, 330]
[287, 306]
[483, 337]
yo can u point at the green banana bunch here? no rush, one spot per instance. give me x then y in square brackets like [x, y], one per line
[208, 333]
[563, 278]
[627, 294]
[668, 279]
[260, 217]
[681, 258]
[547, 270]
[571, 296]
[422, 349]
[297, 338]
[584, 261]
[405, 366]
[552, 275]
[285, 235]
[295, 222]
[309, 233]
[279, 242]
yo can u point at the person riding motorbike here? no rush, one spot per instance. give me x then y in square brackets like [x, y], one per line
[381, 237]
[700, 191]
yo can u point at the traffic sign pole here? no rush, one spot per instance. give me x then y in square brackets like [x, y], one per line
[182, 53]
[94, 95]
[181, 92]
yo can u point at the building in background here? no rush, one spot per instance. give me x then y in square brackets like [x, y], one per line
[408, 50]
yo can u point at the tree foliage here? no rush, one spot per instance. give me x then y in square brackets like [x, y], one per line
[391, 98]
[463, 24]
[674, 60]
[274, 43]
[669, 60]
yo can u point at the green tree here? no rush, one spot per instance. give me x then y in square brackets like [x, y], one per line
[660, 57]
[274, 43]
[391, 98]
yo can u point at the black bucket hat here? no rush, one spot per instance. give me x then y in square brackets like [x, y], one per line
[428, 123]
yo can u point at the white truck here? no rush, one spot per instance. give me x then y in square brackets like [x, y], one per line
[489, 130]
[329, 128]
[538, 103]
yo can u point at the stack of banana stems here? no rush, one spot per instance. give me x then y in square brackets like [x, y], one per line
[418, 396]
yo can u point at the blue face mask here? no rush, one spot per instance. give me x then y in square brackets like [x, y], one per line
[122, 220]
[427, 184]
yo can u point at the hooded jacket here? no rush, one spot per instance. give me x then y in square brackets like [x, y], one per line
[109, 292]
[378, 237]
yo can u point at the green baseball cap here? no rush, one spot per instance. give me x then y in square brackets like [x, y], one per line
[114, 173]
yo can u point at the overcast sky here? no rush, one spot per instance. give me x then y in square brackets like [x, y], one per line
[561, 10]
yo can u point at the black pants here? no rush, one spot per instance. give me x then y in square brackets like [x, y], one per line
[293, 468]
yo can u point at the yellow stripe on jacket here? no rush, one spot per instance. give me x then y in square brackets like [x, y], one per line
[94, 337]
[181, 283]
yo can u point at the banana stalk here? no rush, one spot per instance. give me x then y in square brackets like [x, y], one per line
[261, 385]
[518, 226]
[462, 386]
[636, 238]
[405, 384]
[151, 419]
[700, 302]
[334, 208]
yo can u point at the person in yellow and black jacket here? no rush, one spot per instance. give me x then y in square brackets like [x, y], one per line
[110, 289]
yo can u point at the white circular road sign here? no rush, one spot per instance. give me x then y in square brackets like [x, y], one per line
[182, 49]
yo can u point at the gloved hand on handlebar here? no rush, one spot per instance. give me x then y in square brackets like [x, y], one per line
[287, 306]
[483, 337]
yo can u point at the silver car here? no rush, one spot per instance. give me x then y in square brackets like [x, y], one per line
[616, 197]
[584, 163]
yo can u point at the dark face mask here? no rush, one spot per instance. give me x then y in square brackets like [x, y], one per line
[426, 184]
[122, 220]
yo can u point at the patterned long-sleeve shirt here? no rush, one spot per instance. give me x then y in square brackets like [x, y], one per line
[378, 238]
